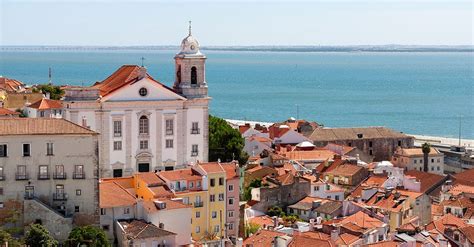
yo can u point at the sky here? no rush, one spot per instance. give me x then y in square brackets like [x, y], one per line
[318, 22]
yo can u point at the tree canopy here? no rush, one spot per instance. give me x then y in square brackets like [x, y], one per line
[88, 235]
[225, 142]
[38, 235]
[55, 92]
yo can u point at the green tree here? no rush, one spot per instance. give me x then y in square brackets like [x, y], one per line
[251, 228]
[426, 149]
[90, 236]
[22, 114]
[55, 92]
[38, 235]
[225, 142]
[290, 219]
[275, 211]
[256, 183]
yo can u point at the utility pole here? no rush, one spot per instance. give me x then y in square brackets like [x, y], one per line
[460, 125]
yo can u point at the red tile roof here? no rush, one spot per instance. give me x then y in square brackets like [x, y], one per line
[149, 178]
[345, 170]
[10, 85]
[125, 75]
[262, 221]
[139, 229]
[301, 240]
[6, 112]
[468, 232]
[41, 126]
[44, 104]
[262, 238]
[362, 220]
[181, 174]
[114, 195]
[151, 207]
[211, 167]
[231, 170]
[448, 220]
[427, 180]
[465, 177]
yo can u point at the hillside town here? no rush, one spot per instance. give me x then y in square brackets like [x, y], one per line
[146, 166]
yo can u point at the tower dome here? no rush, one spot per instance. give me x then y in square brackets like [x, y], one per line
[189, 45]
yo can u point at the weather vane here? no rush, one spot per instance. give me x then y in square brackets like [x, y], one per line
[189, 27]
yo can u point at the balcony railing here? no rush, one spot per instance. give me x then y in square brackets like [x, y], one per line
[169, 132]
[59, 175]
[43, 176]
[78, 175]
[194, 153]
[198, 204]
[195, 131]
[29, 196]
[2, 177]
[59, 197]
[21, 176]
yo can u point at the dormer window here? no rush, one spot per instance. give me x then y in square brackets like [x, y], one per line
[143, 92]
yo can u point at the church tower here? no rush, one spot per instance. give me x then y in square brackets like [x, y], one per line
[190, 76]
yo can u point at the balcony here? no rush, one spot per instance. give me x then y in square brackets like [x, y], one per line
[58, 175]
[43, 176]
[78, 175]
[2, 177]
[21, 176]
[198, 204]
[169, 132]
[194, 153]
[60, 196]
[29, 196]
[195, 131]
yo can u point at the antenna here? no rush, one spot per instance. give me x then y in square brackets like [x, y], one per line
[189, 28]
[143, 59]
[50, 76]
[460, 125]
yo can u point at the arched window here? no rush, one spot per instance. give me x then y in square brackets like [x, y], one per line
[143, 125]
[193, 76]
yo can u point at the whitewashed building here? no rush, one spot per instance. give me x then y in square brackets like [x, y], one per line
[143, 124]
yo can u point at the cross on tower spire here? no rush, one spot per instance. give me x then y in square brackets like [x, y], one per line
[190, 28]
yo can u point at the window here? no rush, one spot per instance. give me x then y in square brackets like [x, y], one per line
[216, 228]
[117, 128]
[231, 201]
[1, 191]
[78, 192]
[432, 160]
[79, 172]
[336, 197]
[117, 145]
[212, 198]
[49, 149]
[1, 174]
[231, 226]
[193, 76]
[414, 161]
[214, 214]
[143, 144]
[194, 150]
[41, 113]
[316, 188]
[143, 125]
[370, 152]
[438, 160]
[21, 172]
[3, 150]
[230, 214]
[169, 143]
[76, 209]
[143, 92]
[198, 214]
[43, 172]
[105, 227]
[221, 181]
[437, 168]
[191, 185]
[198, 184]
[195, 128]
[213, 182]
[221, 197]
[84, 122]
[126, 211]
[198, 229]
[370, 143]
[169, 127]
[26, 150]
[231, 187]
[2, 205]
[103, 211]
[399, 143]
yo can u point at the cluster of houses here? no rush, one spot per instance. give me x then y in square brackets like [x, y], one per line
[350, 187]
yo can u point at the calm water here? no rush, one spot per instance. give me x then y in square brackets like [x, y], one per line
[419, 93]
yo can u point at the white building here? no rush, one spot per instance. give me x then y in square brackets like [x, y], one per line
[412, 159]
[143, 124]
[45, 108]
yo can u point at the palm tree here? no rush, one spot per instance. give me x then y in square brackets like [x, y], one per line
[426, 148]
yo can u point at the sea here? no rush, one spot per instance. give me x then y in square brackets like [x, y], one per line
[425, 93]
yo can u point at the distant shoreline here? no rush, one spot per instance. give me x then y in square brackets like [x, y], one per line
[361, 48]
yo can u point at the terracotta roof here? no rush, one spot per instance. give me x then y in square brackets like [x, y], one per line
[211, 167]
[41, 126]
[262, 221]
[243, 128]
[44, 104]
[181, 174]
[262, 238]
[125, 75]
[372, 181]
[139, 229]
[389, 243]
[468, 232]
[345, 170]
[362, 220]
[287, 167]
[10, 85]
[286, 179]
[427, 180]
[328, 166]
[462, 202]
[339, 149]
[114, 195]
[460, 189]
[161, 192]
[151, 207]
[149, 178]
[465, 177]
[301, 240]
[346, 239]
[307, 202]
[259, 139]
[231, 170]
[418, 152]
[316, 154]
[317, 235]
[446, 220]
[6, 112]
[329, 207]
[334, 134]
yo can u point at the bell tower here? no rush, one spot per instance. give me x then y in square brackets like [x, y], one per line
[190, 76]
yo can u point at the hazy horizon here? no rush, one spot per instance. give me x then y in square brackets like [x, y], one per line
[236, 23]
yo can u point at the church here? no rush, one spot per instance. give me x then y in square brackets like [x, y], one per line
[143, 124]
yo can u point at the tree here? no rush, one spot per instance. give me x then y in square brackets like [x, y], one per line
[22, 114]
[38, 235]
[290, 219]
[225, 142]
[90, 236]
[55, 92]
[426, 148]
[256, 183]
[251, 228]
[275, 211]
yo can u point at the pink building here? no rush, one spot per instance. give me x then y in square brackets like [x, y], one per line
[232, 197]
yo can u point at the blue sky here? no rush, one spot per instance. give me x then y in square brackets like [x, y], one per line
[108, 22]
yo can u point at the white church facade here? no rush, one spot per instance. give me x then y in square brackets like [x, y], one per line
[143, 124]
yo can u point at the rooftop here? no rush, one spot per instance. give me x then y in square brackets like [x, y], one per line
[112, 195]
[181, 174]
[6, 112]
[10, 85]
[44, 104]
[262, 238]
[428, 180]
[41, 126]
[139, 229]
[333, 134]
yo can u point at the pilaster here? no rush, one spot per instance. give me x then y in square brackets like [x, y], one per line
[159, 139]
[128, 142]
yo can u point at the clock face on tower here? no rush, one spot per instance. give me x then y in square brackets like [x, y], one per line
[192, 47]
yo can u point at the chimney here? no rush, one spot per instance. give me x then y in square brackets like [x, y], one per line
[337, 157]
[275, 222]
[334, 234]
[141, 73]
